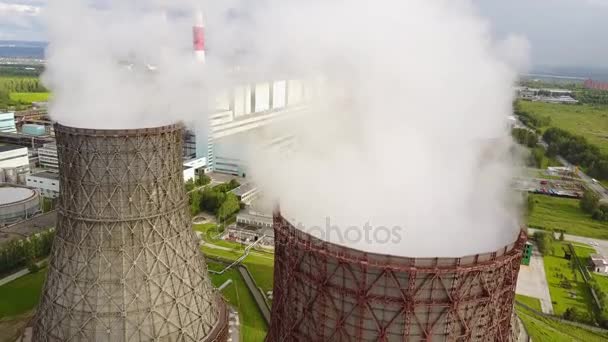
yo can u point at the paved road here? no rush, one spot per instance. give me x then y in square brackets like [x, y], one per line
[601, 248]
[532, 281]
[256, 293]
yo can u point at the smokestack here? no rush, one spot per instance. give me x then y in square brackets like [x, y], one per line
[198, 32]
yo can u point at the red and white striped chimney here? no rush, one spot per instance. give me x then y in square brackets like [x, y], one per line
[198, 32]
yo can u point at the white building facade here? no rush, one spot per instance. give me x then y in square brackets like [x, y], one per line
[13, 157]
[47, 157]
[46, 182]
[242, 110]
[7, 123]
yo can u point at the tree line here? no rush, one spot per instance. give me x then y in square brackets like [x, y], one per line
[24, 252]
[525, 137]
[592, 96]
[590, 204]
[577, 150]
[22, 85]
[536, 122]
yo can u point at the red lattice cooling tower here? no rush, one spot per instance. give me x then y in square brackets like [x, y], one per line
[327, 292]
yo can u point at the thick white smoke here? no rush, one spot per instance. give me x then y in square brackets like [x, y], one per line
[405, 147]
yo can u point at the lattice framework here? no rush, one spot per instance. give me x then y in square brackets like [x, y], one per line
[326, 292]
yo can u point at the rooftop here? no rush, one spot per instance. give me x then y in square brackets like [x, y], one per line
[9, 147]
[244, 189]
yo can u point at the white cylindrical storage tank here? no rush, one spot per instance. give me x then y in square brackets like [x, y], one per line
[10, 176]
[21, 178]
[18, 203]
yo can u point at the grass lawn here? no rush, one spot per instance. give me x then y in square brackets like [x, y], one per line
[564, 213]
[558, 269]
[532, 302]
[21, 295]
[253, 326]
[260, 264]
[30, 97]
[590, 121]
[546, 329]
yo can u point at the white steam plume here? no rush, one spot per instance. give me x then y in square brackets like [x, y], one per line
[408, 130]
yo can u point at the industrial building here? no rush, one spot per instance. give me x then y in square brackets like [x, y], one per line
[14, 162]
[46, 182]
[47, 156]
[329, 292]
[125, 263]
[17, 203]
[243, 111]
[7, 123]
[599, 263]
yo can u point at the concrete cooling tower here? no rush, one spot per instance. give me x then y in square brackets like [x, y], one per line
[328, 292]
[125, 265]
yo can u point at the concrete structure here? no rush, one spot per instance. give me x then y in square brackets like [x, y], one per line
[47, 156]
[17, 203]
[7, 123]
[327, 292]
[13, 157]
[125, 264]
[599, 263]
[46, 182]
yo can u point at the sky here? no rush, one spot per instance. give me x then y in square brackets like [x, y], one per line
[560, 32]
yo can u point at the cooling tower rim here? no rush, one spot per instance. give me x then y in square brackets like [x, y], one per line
[119, 132]
[306, 241]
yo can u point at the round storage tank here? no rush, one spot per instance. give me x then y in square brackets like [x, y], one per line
[328, 292]
[10, 176]
[17, 203]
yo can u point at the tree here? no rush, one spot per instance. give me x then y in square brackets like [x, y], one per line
[589, 202]
[195, 202]
[230, 206]
[544, 241]
[561, 236]
[531, 204]
[202, 180]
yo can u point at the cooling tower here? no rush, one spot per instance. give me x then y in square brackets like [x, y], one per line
[125, 265]
[327, 292]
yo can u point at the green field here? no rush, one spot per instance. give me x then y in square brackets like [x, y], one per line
[564, 213]
[253, 326]
[531, 302]
[585, 120]
[21, 295]
[559, 269]
[30, 97]
[541, 328]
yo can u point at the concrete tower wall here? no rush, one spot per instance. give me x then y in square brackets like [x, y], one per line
[327, 292]
[125, 265]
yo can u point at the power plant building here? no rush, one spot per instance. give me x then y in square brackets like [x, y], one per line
[125, 263]
[329, 292]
